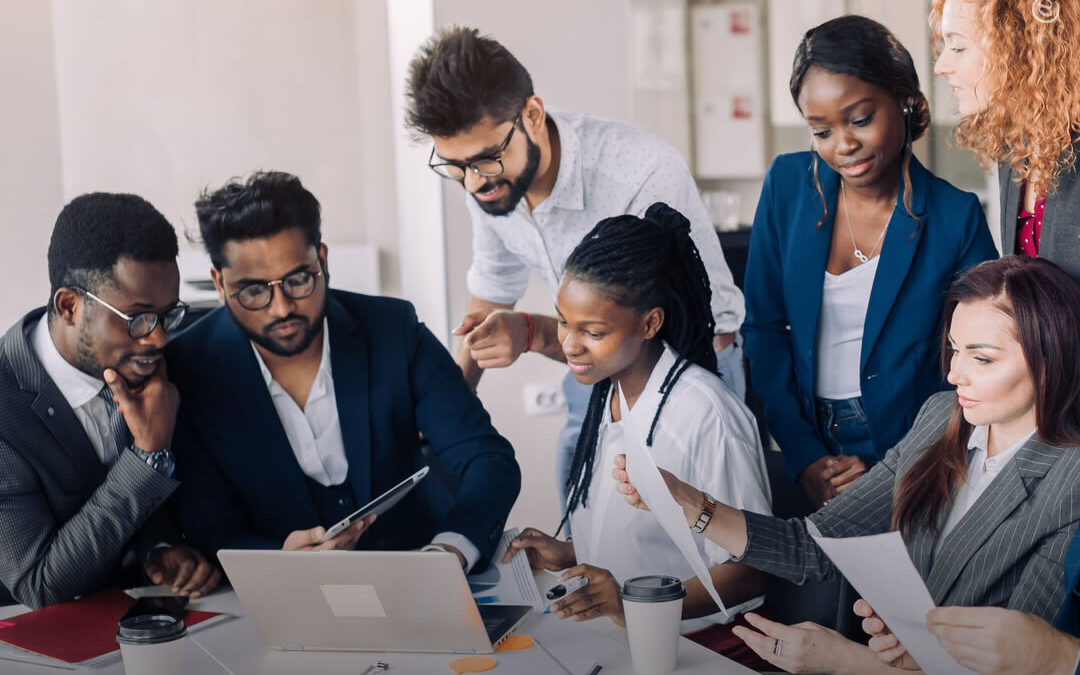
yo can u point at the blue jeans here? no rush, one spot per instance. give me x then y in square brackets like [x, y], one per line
[728, 366]
[844, 428]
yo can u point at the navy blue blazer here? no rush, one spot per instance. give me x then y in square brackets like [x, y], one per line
[241, 486]
[1068, 619]
[900, 365]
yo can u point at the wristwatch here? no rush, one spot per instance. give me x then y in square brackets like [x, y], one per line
[161, 461]
[708, 505]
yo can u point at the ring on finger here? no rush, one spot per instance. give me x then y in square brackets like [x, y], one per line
[778, 647]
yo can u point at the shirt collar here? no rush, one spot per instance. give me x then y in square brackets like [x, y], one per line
[569, 190]
[978, 441]
[324, 364]
[649, 400]
[77, 387]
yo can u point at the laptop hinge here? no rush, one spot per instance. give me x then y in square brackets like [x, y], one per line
[464, 651]
[292, 648]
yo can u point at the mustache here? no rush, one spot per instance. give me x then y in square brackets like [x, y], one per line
[494, 185]
[277, 322]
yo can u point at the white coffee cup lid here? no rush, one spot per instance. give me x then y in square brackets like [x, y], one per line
[653, 588]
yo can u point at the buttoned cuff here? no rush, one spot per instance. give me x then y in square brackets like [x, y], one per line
[461, 543]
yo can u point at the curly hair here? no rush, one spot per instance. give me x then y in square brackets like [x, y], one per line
[1032, 117]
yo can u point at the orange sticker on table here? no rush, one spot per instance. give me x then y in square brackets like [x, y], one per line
[472, 664]
[513, 643]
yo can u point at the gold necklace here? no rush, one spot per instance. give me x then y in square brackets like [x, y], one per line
[862, 257]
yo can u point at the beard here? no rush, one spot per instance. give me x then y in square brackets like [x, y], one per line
[517, 187]
[266, 341]
[88, 361]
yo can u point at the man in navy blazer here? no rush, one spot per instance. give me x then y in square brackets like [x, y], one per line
[301, 403]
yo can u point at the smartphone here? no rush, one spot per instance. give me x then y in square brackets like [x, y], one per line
[378, 506]
[170, 605]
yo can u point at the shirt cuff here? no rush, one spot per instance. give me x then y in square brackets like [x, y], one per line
[461, 543]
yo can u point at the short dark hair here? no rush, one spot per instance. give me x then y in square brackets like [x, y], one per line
[261, 206]
[458, 78]
[95, 230]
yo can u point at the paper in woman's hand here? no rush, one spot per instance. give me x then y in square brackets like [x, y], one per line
[879, 568]
[646, 479]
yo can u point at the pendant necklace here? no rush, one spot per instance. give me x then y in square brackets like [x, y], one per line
[862, 257]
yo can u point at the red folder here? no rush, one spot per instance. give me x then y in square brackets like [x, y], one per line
[79, 630]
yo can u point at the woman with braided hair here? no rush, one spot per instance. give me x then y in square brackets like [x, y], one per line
[634, 321]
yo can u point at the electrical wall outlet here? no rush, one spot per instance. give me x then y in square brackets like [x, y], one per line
[544, 399]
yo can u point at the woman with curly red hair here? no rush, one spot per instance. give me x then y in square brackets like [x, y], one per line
[1014, 66]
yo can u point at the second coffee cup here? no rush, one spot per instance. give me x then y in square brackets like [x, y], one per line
[653, 608]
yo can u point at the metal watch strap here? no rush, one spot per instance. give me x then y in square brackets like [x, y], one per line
[708, 505]
[161, 461]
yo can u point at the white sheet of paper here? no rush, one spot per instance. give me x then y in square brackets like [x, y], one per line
[509, 583]
[646, 478]
[879, 568]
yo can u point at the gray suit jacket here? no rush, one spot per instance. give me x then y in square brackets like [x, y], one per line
[65, 522]
[1008, 550]
[1060, 243]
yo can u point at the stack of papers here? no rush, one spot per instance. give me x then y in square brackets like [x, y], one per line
[509, 583]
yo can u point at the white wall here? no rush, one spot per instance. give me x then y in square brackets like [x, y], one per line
[164, 99]
[30, 192]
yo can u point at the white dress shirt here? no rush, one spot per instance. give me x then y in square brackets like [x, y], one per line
[314, 435]
[845, 299]
[605, 169]
[705, 436]
[78, 389]
[981, 472]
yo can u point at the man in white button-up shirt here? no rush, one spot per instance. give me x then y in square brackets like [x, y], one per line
[537, 181]
[302, 403]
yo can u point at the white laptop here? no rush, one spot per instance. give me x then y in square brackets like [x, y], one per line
[386, 601]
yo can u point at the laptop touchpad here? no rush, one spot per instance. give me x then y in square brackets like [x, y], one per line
[353, 600]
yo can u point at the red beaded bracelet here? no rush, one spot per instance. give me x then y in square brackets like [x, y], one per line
[528, 320]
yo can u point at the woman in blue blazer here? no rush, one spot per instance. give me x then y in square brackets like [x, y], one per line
[853, 247]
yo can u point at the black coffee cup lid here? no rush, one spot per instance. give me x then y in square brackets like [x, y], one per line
[149, 629]
[653, 588]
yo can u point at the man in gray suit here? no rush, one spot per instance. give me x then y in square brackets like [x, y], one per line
[85, 465]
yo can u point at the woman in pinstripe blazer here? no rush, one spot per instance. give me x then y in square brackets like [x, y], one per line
[976, 538]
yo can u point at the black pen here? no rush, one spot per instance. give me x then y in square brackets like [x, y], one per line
[596, 669]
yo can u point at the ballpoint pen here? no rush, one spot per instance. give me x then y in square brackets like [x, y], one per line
[377, 667]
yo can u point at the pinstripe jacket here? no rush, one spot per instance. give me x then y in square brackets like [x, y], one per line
[1008, 550]
[65, 521]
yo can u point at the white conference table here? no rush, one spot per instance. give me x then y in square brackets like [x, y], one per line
[576, 645]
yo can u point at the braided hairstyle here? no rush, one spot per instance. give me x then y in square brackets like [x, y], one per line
[643, 263]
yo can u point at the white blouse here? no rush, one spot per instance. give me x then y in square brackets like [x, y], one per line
[844, 301]
[706, 437]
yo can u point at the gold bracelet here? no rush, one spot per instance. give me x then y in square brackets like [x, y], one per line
[708, 505]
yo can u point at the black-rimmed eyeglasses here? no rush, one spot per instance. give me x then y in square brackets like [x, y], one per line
[483, 166]
[141, 324]
[295, 286]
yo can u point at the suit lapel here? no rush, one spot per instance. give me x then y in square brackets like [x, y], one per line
[1004, 494]
[349, 360]
[240, 373]
[49, 404]
[1010, 209]
[897, 251]
[808, 254]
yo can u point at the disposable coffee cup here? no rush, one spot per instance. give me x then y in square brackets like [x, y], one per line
[653, 609]
[152, 644]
